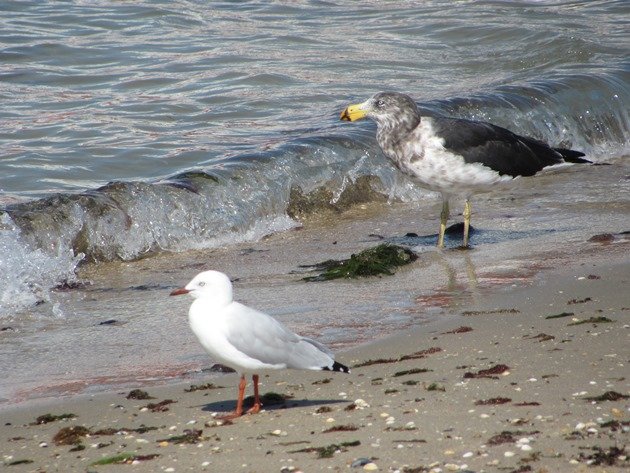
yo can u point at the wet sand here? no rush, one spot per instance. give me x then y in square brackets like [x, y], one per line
[503, 385]
[110, 333]
[449, 313]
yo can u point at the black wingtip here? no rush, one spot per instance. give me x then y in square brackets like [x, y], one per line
[337, 367]
[572, 156]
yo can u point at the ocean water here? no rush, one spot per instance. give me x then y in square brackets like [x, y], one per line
[131, 130]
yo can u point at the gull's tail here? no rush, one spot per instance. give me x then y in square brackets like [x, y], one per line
[337, 367]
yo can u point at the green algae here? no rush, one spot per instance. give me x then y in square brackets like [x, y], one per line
[381, 259]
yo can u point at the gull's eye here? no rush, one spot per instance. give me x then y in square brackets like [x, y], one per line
[380, 103]
[201, 284]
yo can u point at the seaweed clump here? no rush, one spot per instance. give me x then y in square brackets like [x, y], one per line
[47, 418]
[71, 435]
[381, 259]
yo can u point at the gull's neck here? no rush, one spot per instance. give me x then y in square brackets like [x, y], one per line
[392, 130]
[212, 301]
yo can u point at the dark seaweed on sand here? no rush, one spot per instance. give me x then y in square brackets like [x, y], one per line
[412, 356]
[560, 315]
[19, 462]
[329, 450]
[341, 428]
[508, 437]
[607, 396]
[381, 259]
[190, 436]
[160, 406]
[611, 456]
[493, 401]
[201, 387]
[139, 394]
[488, 373]
[70, 435]
[411, 371]
[47, 418]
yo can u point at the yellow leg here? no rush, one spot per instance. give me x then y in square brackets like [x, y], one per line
[467, 213]
[443, 220]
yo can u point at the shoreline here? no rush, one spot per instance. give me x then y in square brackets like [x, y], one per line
[268, 276]
[419, 408]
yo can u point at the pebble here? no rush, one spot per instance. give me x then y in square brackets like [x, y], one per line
[370, 466]
[359, 462]
[451, 467]
[467, 454]
[169, 469]
[508, 454]
[361, 404]
[390, 420]
[205, 464]
[142, 441]
[43, 444]
[526, 448]
[330, 420]
[279, 433]
[290, 469]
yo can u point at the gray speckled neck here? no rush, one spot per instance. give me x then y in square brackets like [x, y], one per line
[393, 130]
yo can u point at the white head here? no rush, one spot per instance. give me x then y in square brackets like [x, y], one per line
[211, 285]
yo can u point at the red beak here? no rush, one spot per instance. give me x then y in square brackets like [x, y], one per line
[180, 291]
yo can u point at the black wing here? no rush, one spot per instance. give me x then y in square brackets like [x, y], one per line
[498, 148]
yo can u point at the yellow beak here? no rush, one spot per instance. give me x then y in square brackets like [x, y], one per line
[353, 113]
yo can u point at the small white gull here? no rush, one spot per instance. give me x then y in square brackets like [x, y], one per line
[245, 339]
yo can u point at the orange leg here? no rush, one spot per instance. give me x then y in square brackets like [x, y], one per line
[255, 409]
[239, 402]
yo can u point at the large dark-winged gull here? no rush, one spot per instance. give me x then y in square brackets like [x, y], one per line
[245, 339]
[453, 156]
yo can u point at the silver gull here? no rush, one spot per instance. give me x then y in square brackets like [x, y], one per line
[245, 339]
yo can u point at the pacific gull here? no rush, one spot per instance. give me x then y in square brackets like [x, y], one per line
[453, 156]
[245, 339]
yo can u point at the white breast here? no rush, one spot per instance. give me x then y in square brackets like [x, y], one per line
[438, 169]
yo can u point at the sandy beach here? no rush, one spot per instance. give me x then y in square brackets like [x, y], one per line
[529, 375]
[146, 142]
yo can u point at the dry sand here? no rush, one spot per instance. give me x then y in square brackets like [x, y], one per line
[419, 405]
